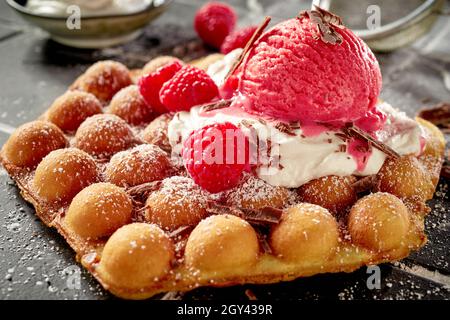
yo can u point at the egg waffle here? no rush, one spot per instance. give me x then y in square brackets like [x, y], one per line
[96, 168]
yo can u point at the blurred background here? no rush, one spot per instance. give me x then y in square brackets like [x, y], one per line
[412, 41]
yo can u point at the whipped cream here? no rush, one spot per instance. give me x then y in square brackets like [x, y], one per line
[303, 157]
[219, 69]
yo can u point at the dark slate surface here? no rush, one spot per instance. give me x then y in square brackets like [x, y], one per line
[35, 261]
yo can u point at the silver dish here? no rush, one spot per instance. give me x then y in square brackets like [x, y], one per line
[405, 30]
[399, 33]
[96, 31]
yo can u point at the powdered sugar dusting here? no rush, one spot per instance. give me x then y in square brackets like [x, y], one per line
[129, 104]
[257, 193]
[104, 134]
[144, 163]
[184, 191]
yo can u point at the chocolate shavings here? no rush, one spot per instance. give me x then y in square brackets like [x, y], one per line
[265, 216]
[222, 104]
[325, 23]
[143, 190]
[261, 233]
[352, 131]
[258, 32]
[342, 136]
[262, 121]
[247, 124]
[285, 128]
[329, 17]
[365, 184]
[295, 125]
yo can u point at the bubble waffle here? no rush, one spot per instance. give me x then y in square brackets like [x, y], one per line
[142, 227]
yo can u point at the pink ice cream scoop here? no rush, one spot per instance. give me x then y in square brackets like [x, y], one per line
[291, 74]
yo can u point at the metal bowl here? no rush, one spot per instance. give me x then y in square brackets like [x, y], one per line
[397, 33]
[96, 31]
[405, 30]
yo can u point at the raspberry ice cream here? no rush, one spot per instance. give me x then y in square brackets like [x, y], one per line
[291, 74]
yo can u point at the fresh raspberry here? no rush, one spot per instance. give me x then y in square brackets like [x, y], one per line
[216, 155]
[188, 87]
[150, 85]
[228, 89]
[213, 22]
[237, 39]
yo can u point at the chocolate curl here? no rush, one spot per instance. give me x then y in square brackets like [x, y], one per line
[222, 104]
[143, 190]
[265, 217]
[329, 17]
[353, 131]
[364, 184]
[325, 23]
[258, 32]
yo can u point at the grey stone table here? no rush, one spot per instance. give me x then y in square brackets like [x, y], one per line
[35, 262]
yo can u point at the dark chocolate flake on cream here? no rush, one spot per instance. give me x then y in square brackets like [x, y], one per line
[285, 128]
[352, 131]
[222, 104]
